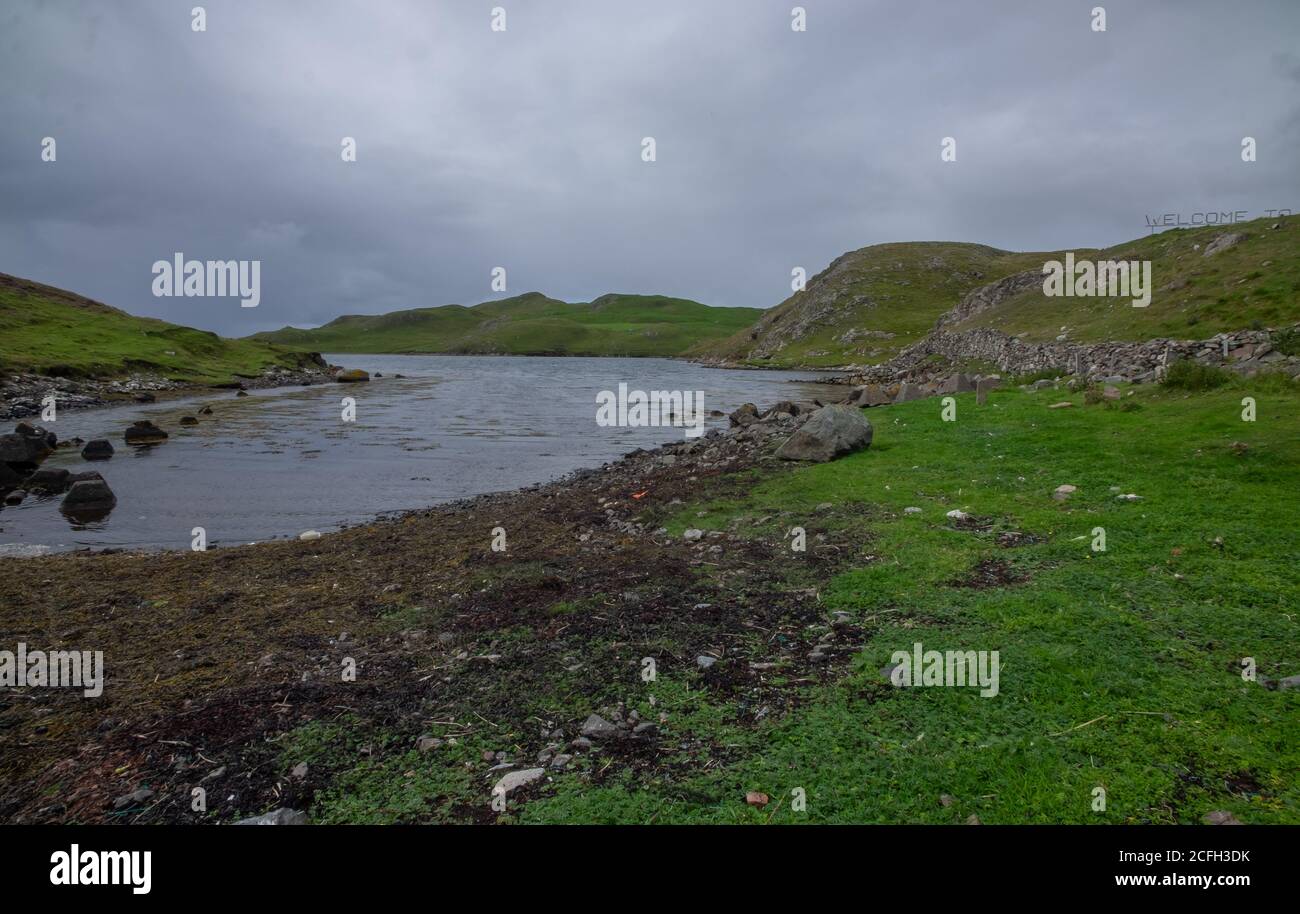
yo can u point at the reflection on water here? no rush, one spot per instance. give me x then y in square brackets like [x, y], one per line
[278, 462]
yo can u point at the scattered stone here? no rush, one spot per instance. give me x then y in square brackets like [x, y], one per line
[957, 514]
[945, 800]
[911, 510]
[1062, 405]
[428, 744]
[561, 761]
[308, 535]
[133, 799]
[189, 420]
[352, 376]
[1110, 393]
[704, 661]
[282, 816]
[1291, 682]
[1221, 817]
[1129, 497]
[1063, 492]
[205, 411]
[973, 820]
[757, 798]
[516, 779]
[299, 771]
[692, 535]
[596, 727]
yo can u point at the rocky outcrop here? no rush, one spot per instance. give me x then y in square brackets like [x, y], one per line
[990, 296]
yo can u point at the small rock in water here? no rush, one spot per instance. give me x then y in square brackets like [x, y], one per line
[189, 420]
[99, 449]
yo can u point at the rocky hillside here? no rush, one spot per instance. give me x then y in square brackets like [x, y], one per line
[530, 324]
[868, 305]
[871, 304]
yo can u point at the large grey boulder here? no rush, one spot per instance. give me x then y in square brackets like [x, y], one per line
[829, 433]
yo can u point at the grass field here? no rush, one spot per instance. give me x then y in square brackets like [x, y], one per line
[1119, 669]
[531, 324]
[50, 331]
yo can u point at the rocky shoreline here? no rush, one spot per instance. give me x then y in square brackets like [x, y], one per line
[22, 395]
[206, 652]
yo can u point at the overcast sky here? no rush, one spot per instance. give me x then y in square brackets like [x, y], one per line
[522, 148]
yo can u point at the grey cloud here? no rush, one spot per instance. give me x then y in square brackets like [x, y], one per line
[522, 149]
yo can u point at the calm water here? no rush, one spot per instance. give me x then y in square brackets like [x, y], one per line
[278, 462]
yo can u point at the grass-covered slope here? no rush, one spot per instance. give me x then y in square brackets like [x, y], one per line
[871, 303]
[868, 304]
[530, 324]
[1253, 283]
[49, 331]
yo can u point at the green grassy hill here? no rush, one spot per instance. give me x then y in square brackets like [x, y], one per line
[530, 324]
[871, 303]
[49, 331]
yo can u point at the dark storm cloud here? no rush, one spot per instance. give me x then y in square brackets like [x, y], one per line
[522, 149]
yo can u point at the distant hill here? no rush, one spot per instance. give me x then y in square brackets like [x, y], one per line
[871, 303]
[530, 324]
[50, 331]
